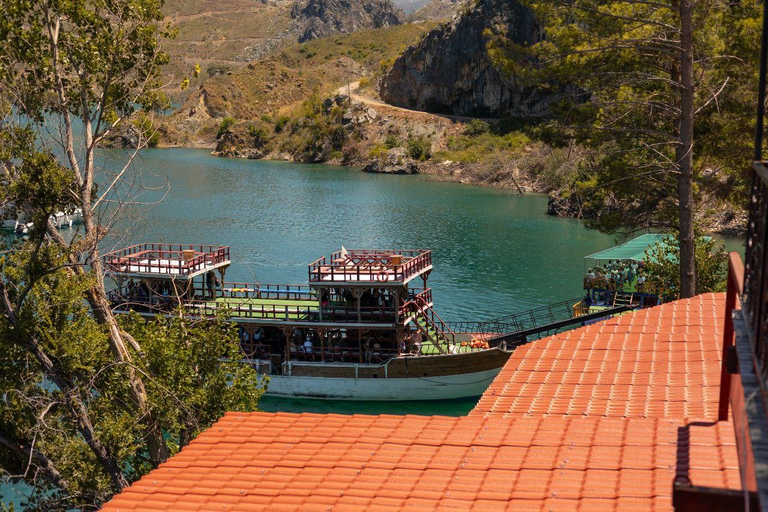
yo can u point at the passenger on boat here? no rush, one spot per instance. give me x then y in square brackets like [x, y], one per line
[258, 334]
[213, 283]
[131, 289]
[416, 340]
[308, 346]
[403, 347]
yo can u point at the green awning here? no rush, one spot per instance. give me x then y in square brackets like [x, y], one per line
[632, 250]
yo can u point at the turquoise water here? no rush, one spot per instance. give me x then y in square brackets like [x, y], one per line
[494, 252]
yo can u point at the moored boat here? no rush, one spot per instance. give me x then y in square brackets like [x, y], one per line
[363, 328]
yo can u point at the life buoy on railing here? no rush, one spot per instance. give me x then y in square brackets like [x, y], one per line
[381, 276]
[503, 345]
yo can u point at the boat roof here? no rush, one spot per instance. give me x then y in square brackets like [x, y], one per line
[162, 260]
[363, 267]
[631, 250]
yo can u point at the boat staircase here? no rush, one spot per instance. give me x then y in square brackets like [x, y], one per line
[515, 329]
[438, 335]
[623, 299]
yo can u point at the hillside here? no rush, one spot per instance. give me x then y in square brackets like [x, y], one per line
[220, 36]
[273, 84]
[322, 18]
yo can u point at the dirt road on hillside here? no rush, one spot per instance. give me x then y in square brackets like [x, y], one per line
[353, 87]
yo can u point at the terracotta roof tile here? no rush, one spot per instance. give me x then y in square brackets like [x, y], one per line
[603, 417]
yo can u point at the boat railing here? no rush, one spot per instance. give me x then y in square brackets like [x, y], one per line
[532, 318]
[423, 298]
[237, 290]
[370, 266]
[169, 259]
[466, 327]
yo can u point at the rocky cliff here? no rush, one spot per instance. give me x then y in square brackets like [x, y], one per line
[438, 10]
[450, 70]
[325, 17]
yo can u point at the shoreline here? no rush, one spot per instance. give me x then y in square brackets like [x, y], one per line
[452, 172]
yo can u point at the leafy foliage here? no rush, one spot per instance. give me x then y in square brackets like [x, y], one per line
[662, 264]
[86, 408]
[419, 148]
[661, 91]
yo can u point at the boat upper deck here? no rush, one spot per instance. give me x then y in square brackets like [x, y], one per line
[179, 261]
[363, 267]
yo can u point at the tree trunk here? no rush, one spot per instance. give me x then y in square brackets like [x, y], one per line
[72, 400]
[158, 451]
[688, 278]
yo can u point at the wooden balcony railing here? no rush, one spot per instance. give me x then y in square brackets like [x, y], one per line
[360, 266]
[165, 259]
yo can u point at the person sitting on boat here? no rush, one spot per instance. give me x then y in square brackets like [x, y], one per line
[416, 340]
[309, 347]
[403, 347]
[258, 335]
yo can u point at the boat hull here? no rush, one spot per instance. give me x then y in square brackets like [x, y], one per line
[442, 377]
[419, 388]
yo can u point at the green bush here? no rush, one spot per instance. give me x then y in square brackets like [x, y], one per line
[392, 141]
[420, 148]
[477, 127]
[226, 126]
[147, 129]
[259, 134]
[280, 123]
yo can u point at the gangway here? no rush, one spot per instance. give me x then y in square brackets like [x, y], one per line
[515, 329]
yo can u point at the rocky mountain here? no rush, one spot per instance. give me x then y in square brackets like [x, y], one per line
[450, 70]
[438, 10]
[325, 17]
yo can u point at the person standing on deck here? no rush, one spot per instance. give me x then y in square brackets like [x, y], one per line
[213, 282]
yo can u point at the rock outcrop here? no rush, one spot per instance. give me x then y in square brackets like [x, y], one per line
[450, 71]
[395, 161]
[438, 10]
[325, 17]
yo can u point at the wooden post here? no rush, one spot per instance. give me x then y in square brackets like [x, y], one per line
[358, 293]
[320, 294]
[360, 343]
[286, 333]
[321, 334]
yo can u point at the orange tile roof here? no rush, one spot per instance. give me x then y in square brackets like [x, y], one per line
[513, 452]
[661, 362]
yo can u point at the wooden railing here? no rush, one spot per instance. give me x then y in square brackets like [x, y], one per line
[370, 266]
[424, 298]
[267, 291]
[732, 304]
[170, 259]
[121, 300]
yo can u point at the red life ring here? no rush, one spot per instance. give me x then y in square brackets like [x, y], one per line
[382, 277]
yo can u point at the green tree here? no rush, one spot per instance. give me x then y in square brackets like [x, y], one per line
[662, 266]
[89, 416]
[661, 88]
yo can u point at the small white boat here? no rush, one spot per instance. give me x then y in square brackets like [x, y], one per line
[21, 226]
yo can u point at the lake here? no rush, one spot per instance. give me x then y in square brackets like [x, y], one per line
[494, 252]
